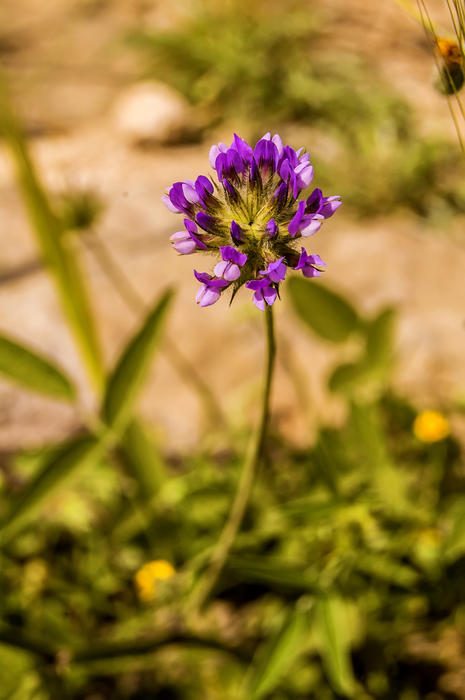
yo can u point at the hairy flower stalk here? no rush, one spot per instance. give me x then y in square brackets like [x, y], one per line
[251, 217]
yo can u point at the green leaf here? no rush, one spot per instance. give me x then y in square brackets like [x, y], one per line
[379, 335]
[277, 656]
[55, 248]
[347, 377]
[142, 459]
[454, 544]
[277, 573]
[132, 367]
[332, 626]
[26, 367]
[56, 470]
[327, 313]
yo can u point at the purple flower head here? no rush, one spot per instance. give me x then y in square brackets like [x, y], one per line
[251, 216]
[307, 264]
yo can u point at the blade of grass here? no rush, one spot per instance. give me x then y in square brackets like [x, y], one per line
[55, 248]
[132, 366]
[57, 469]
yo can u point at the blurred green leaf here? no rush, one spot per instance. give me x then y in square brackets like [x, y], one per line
[379, 335]
[25, 366]
[142, 458]
[327, 313]
[275, 572]
[132, 366]
[56, 249]
[332, 625]
[277, 655]
[56, 470]
[347, 377]
[454, 544]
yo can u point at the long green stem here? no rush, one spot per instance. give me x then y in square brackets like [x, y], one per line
[244, 488]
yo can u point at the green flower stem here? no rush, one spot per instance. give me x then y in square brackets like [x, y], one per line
[136, 303]
[244, 488]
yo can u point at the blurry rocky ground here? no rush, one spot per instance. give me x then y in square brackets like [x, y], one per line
[92, 127]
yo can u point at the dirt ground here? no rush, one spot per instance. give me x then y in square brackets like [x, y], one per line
[67, 107]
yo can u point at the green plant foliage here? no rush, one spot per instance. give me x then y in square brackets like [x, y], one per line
[279, 654]
[324, 311]
[60, 466]
[132, 366]
[143, 459]
[331, 623]
[23, 365]
[270, 59]
[56, 251]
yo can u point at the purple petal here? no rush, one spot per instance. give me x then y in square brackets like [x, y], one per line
[272, 228]
[270, 295]
[330, 204]
[258, 300]
[203, 277]
[294, 224]
[183, 243]
[242, 147]
[208, 296]
[229, 271]
[266, 154]
[231, 254]
[215, 152]
[190, 192]
[308, 229]
[205, 221]
[316, 260]
[201, 291]
[169, 204]
[314, 202]
[281, 194]
[230, 189]
[257, 284]
[177, 197]
[220, 267]
[236, 232]
[310, 271]
[276, 270]
[302, 260]
[304, 173]
[278, 142]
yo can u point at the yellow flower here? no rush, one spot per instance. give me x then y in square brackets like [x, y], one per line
[431, 426]
[148, 575]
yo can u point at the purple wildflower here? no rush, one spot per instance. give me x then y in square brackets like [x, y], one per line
[307, 264]
[210, 290]
[252, 217]
[265, 293]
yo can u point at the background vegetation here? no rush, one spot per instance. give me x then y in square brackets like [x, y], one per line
[345, 580]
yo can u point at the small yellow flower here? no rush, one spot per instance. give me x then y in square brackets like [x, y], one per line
[148, 575]
[431, 426]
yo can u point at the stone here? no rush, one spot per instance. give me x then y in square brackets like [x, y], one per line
[152, 113]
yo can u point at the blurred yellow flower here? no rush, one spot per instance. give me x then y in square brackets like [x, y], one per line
[431, 426]
[148, 575]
